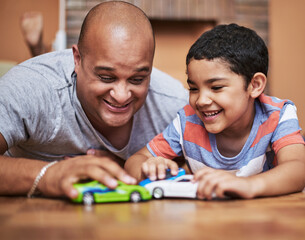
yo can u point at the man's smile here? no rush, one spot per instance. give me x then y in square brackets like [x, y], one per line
[116, 107]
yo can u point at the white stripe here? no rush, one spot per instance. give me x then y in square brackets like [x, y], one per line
[176, 123]
[253, 167]
[290, 113]
[194, 164]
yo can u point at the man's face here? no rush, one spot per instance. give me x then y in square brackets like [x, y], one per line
[113, 77]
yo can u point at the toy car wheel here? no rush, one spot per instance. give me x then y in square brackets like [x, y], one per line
[135, 197]
[88, 198]
[157, 193]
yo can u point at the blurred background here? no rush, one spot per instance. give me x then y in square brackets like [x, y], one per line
[177, 24]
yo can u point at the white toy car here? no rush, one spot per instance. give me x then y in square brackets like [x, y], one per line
[181, 186]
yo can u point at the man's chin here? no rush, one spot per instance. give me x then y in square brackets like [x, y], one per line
[119, 122]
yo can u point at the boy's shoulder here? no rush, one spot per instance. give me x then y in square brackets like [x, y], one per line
[271, 103]
[187, 110]
[188, 115]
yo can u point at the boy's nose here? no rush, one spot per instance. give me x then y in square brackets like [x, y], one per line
[203, 99]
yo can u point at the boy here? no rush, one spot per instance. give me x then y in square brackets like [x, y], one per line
[235, 139]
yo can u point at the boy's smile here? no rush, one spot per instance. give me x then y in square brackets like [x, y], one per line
[220, 98]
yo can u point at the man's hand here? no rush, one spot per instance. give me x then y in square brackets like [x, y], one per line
[59, 179]
[220, 183]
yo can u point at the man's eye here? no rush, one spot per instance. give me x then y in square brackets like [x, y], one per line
[136, 81]
[106, 79]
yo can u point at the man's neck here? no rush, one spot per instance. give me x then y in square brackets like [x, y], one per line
[117, 136]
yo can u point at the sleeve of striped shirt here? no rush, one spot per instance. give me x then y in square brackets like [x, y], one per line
[288, 130]
[167, 144]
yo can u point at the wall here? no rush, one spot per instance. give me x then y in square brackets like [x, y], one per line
[12, 45]
[287, 52]
[173, 40]
[178, 23]
[286, 38]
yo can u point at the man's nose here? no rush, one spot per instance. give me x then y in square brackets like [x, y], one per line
[120, 93]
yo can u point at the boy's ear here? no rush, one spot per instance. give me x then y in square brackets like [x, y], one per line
[257, 84]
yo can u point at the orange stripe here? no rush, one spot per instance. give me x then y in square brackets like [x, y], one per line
[267, 127]
[268, 100]
[161, 147]
[197, 134]
[189, 110]
[292, 138]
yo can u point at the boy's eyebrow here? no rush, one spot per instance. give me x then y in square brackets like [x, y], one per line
[215, 79]
[189, 81]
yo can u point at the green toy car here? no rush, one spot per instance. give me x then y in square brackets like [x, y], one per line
[95, 192]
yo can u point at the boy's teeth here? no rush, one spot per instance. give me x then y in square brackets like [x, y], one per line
[211, 113]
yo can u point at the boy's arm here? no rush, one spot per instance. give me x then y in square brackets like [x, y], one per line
[133, 165]
[287, 177]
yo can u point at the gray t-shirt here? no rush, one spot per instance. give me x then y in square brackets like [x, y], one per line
[42, 118]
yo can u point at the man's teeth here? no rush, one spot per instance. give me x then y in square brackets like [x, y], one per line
[117, 105]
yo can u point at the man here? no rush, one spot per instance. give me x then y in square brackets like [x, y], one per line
[105, 96]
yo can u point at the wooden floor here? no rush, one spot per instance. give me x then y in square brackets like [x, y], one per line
[280, 218]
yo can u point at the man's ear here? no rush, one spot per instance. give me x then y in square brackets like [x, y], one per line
[77, 57]
[257, 84]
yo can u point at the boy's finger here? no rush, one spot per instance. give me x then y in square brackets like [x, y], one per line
[152, 168]
[161, 170]
[173, 166]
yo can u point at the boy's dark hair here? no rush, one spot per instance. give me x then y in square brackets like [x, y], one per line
[244, 51]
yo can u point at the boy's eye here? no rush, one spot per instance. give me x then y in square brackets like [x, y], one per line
[193, 89]
[217, 87]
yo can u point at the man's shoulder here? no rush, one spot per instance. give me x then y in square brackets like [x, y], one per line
[165, 85]
[55, 68]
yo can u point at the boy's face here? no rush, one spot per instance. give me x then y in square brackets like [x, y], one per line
[219, 97]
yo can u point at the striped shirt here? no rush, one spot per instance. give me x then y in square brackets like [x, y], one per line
[275, 126]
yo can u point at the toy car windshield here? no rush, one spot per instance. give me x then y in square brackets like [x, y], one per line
[168, 176]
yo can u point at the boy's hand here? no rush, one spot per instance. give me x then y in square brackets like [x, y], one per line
[220, 183]
[155, 167]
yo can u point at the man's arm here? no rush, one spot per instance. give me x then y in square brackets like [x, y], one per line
[17, 175]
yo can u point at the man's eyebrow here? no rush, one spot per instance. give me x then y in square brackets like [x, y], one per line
[142, 69]
[100, 68]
